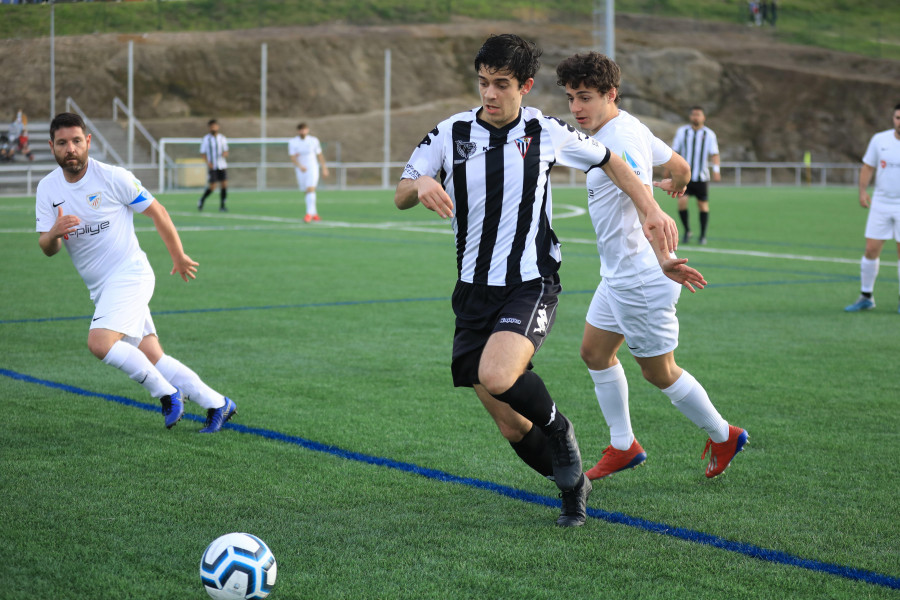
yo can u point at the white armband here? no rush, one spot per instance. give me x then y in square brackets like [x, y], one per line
[715, 168]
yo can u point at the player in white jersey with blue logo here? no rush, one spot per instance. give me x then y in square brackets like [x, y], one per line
[488, 169]
[882, 159]
[89, 207]
[635, 301]
[306, 154]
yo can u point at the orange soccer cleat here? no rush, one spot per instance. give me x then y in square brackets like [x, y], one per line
[615, 460]
[720, 455]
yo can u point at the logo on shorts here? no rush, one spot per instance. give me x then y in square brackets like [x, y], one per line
[542, 320]
[510, 320]
[93, 200]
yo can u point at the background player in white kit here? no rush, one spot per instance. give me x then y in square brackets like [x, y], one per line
[635, 301]
[214, 148]
[882, 157]
[89, 206]
[700, 146]
[306, 154]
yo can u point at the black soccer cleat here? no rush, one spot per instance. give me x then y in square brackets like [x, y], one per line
[565, 456]
[574, 505]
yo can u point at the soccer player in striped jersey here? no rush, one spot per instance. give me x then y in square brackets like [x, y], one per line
[700, 147]
[89, 207]
[883, 223]
[635, 301]
[488, 169]
[214, 148]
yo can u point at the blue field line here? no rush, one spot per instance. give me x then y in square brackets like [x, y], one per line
[697, 537]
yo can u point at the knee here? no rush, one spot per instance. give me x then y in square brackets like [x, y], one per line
[595, 359]
[98, 347]
[496, 381]
[661, 376]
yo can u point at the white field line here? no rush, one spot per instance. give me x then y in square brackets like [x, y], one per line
[563, 211]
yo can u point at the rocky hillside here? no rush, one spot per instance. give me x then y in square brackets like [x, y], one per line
[767, 101]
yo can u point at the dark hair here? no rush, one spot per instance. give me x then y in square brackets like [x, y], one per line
[211, 122]
[593, 70]
[697, 107]
[301, 126]
[66, 120]
[511, 53]
[897, 107]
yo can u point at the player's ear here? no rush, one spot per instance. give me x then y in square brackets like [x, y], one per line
[526, 87]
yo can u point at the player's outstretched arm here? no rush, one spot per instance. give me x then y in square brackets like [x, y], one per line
[659, 228]
[51, 241]
[425, 190]
[181, 262]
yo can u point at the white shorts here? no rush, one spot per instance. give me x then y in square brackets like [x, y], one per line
[883, 222]
[309, 179]
[644, 314]
[123, 305]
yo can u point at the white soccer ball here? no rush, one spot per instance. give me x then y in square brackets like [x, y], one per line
[238, 565]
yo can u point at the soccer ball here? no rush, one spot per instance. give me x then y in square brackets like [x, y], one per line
[238, 565]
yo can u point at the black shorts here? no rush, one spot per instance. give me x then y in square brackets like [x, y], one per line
[528, 308]
[699, 189]
[216, 175]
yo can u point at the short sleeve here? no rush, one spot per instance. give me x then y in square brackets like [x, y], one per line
[871, 156]
[44, 214]
[660, 151]
[714, 143]
[573, 148]
[427, 158]
[130, 191]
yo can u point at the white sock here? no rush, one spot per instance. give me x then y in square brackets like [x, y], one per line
[691, 399]
[311, 203]
[868, 271]
[611, 389]
[189, 383]
[138, 367]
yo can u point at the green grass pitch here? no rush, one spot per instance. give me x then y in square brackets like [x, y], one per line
[339, 333]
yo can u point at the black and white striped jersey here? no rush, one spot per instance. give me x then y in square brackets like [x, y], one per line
[214, 148]
[499, 182]
[696, 146]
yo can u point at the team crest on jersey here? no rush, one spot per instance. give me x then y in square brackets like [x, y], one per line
[93, 200]
[466, 149]
[523, 144]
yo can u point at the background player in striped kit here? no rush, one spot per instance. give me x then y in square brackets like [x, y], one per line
[635, 301]
[306, 154]
[214, 149]
[494, 164]
[698, 144]
[883, 223]
[89, 206]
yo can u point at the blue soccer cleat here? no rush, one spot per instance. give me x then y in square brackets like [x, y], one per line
[172, 408]
[862, 303]
[216, 417]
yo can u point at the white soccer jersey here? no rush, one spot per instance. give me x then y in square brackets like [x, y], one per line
[883, 153]
[626, 258]
[105, 201]
[696, 147]
[214, 148]
[499, 182]
[308, 150]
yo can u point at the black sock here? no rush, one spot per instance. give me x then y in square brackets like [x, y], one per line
[684, 219]
[529, 397]
[205, 195]
[866, 295]
[704, 219]
[534, 451]
[222, 195]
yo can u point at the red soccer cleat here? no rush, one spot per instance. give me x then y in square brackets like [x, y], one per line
[317, 218]
[720, 455]
[615, 460]
[307, 218]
